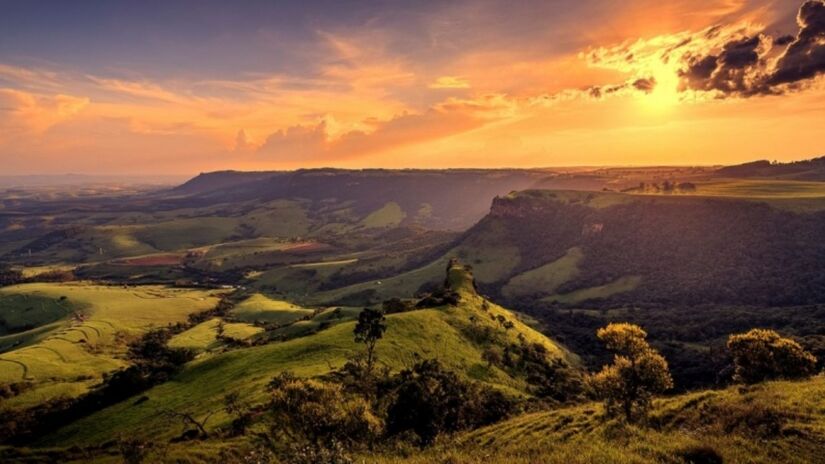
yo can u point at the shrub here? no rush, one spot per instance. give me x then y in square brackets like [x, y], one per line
[637, 373]
[429, 400]
[760, 355]
[319, 417]
[700, 454]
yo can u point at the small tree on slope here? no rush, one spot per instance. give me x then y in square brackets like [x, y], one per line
[369, 329]
[760, 355]
[638, 372]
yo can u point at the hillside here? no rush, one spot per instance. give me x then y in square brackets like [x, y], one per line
[446, 199]
[443, 332]
[767, 423]
[59, 340]
[571, 248]
[811, 170]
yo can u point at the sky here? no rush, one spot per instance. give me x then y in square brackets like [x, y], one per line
[181, 87]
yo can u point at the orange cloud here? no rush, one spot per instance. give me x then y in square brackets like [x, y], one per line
[450, 82]
[24, 114]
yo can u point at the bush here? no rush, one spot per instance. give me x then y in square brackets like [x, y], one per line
[760, 355]
[700, 454]
[429, 400]
[319, 417]
[637, 373]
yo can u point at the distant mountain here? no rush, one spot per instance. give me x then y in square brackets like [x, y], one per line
[437, 199]
[811, 170]
[218, 180]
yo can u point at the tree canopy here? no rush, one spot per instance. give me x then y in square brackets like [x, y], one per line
[638, 372]
[761, 354]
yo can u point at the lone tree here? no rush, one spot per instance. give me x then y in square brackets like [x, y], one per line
[369, 329]
[638, 372]
[760, 355]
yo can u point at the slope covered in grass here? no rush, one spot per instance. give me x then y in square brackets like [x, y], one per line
[441, 332]
[92, 342]
[767, 423]
[204, 336]
[261, 308]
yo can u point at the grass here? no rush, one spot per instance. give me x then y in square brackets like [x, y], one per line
[621, 285]
[260, 308]
[389, 215]
[106, 236]
[405, 284]
[437, 332]
[491, 262]
[761, 188]
[325, 319]
[203, 336]
[547, 278]
[768, 423]
[22, 312]
[492, 259]
[793, 195]
[78, 352]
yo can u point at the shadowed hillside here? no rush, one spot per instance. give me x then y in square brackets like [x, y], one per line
[449, 199]
[813, 169]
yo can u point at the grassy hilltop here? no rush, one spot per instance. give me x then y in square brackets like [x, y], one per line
[442, 332]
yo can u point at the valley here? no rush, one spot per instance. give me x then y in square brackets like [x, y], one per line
[138, 316]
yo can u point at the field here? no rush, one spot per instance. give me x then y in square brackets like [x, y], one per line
[81, 329]
[621, 285]
[259, 308]
[546, 278]
[760, 188]
[204, 336]
[791, 195]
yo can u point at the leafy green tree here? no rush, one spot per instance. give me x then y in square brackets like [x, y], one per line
[638, 372]
[761, 354]
[369, 329]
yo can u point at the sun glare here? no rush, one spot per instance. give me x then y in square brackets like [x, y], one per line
[665, 94]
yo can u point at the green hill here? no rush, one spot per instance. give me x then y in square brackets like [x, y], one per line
[444, 332]
[80, 332]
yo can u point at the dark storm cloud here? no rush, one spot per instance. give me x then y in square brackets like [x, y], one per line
[805, 56]
[783, 40]
[741, 67]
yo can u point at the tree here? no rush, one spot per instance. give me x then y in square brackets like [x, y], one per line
[239, 411]
[637, 373]
[492, 356]
[318, 420]
[369, 329]
[9, 276]
[188, 420]
[429, 400]
[760, 355]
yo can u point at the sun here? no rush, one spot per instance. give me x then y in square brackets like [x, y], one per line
[665, 95]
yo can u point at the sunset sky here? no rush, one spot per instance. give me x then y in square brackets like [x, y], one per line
[180, 87]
